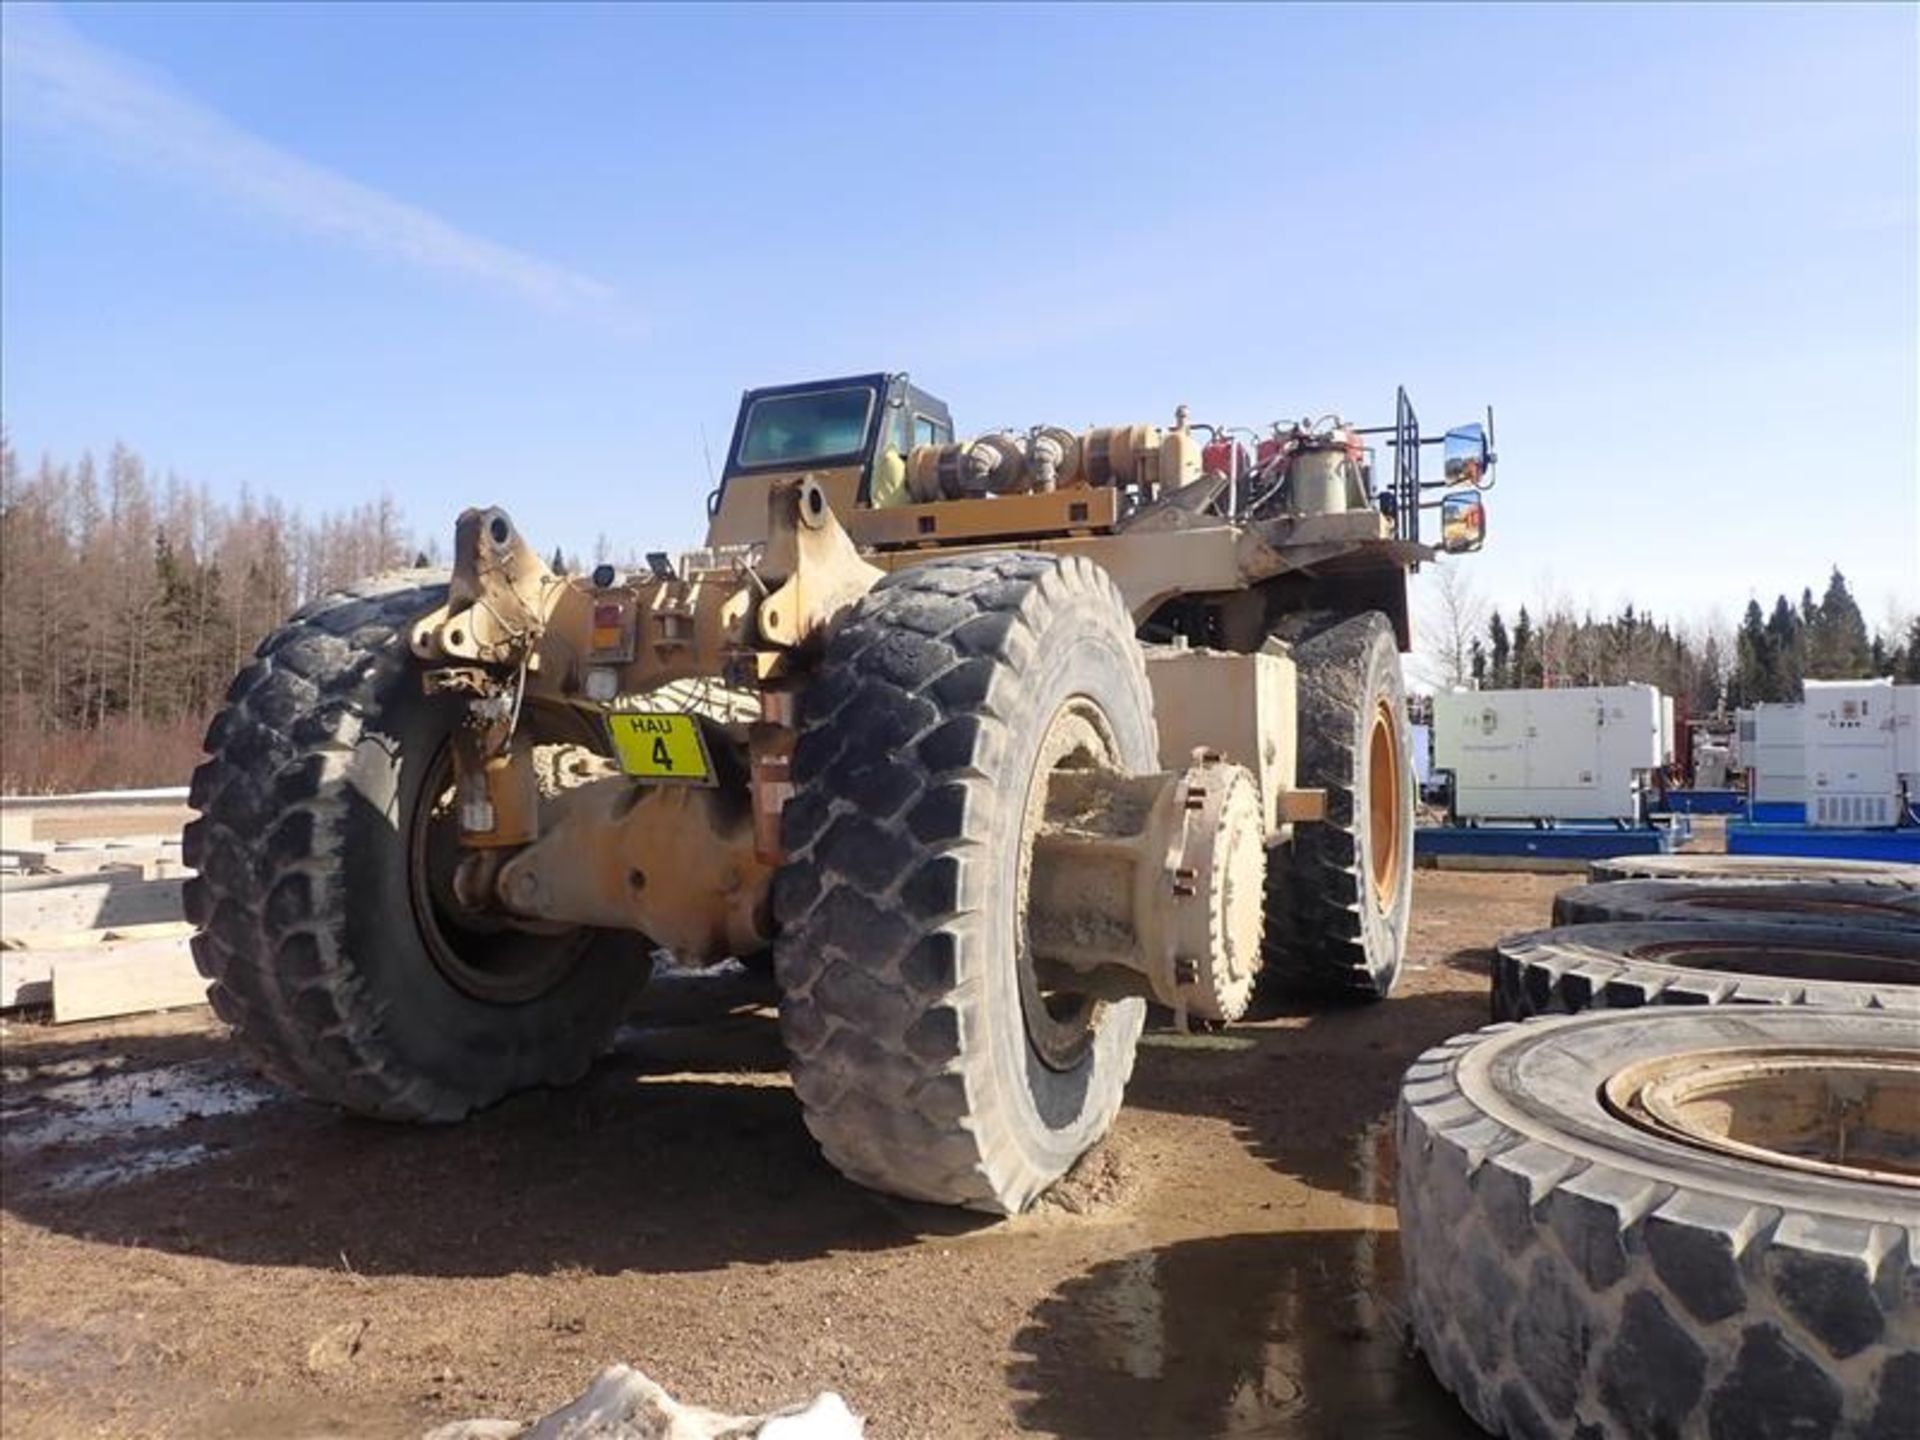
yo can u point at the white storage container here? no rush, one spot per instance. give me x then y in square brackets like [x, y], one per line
[1773, 748]
[1548, 754]
[1906, 738]
[1852, 754]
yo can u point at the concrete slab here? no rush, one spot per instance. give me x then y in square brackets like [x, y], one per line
[128, 978]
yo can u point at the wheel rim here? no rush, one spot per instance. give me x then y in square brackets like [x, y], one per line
[1386, 806]
[1860, 964]
[1820, 1109]
[479, 953]
[1060, 1024]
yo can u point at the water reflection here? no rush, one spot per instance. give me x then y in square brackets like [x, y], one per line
[1282, 1335]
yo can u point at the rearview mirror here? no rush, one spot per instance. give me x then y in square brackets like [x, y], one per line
[1463, 522]
[1465, 453]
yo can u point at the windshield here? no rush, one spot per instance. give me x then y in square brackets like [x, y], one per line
[800, 429]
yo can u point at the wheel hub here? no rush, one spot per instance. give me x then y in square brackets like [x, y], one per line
[478, 951]
[1152, 885]
[1060, 1019]
[1829, 1111]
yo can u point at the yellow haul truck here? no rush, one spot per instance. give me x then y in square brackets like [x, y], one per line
[984, 743]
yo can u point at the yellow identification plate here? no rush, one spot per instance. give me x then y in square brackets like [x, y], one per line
[661, 747]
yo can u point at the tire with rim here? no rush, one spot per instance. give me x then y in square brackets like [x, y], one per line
[1704, 962]
[324, 846]
[1756, 868]
[1784, 902]
[930, 1060]
[1339, 899]
[1617, 1225]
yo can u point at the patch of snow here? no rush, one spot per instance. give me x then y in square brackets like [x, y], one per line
[101, 1105]
[623, 1404]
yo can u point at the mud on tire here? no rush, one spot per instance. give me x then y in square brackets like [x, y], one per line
[1781, 902]
[1338, 901]
[1704, 962]
[910, 1031]
[1571, 1274]
[310, 924]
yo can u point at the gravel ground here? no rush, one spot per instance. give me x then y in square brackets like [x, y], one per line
[186, 1252]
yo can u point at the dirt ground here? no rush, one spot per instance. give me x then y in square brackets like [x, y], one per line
[185, 1252]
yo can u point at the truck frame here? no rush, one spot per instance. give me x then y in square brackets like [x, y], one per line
[981, 745]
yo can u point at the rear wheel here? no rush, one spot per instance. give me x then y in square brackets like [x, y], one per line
[325, 845]
[1338, 902]
[933, 1057]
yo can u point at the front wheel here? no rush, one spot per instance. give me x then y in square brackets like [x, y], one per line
[325, 845]
[931, 1056]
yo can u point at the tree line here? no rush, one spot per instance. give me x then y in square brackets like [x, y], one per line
[129, 600]
[1765, 658]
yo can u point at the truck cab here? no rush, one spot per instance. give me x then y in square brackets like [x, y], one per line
[851, 434]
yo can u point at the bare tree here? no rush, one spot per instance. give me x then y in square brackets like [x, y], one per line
[1452, 617]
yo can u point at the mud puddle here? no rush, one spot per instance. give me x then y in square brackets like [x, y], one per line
[1278, 1334]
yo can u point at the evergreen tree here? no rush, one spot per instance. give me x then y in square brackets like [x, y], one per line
[1526, 660]
[1787, 638]
[1753, 659]
[1906, 669]
[1500, 667]
[1837, 643]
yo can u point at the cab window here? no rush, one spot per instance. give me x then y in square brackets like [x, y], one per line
[928, 431]
[806, 428]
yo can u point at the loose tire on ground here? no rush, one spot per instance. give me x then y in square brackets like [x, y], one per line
[1338, 902]
[928, 1062]
[1704, 962]
[320, 899]
[1570, 1273]
[1784, 902]
[1755, 868]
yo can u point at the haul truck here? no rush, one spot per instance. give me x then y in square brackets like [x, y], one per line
[983, 745]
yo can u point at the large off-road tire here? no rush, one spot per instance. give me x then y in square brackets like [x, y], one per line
[928, 1058]
[326, 922]
[1338, 900]
[1755, 868]
[1785, 902]
[1572, 1273]
[1704, 962]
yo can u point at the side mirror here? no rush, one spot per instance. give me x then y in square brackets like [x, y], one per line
[1466, 456]
[1463, 522]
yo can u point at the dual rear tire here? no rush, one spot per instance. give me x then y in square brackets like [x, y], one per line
[324, 846]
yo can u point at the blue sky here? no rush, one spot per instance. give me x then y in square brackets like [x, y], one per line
[526, 255]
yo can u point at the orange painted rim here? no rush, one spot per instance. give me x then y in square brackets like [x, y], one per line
[1386, 805]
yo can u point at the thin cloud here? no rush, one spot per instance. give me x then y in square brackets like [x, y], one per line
[60, 83]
